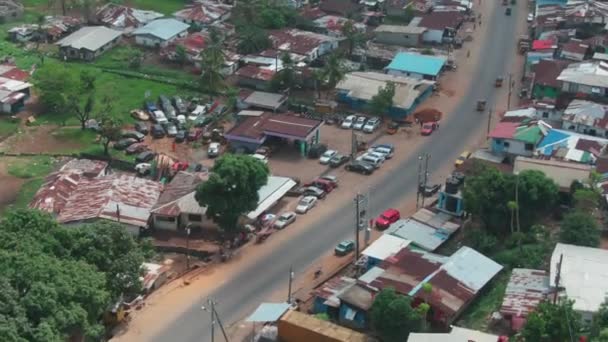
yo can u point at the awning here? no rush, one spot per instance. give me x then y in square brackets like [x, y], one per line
[268, 312]
[269, 194]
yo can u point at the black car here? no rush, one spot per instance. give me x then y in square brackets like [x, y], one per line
[360, 167]
[508, 11]
[145, 156]
[338, 160]
[316, 151]
[124, 143]
[158, 131]
[180, 136]
[133, 134]
[141, 128]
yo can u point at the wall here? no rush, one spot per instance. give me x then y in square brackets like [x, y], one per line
[404, 73]
[510, 146]
[573, 56]
[549, 114]
[162, 224]
[148, 40]
[402, 39]
[584, 129]
[584, 89]
[433, 36]
[540, 92]
[358, 322]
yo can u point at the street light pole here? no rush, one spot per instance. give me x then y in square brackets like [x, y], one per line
[188, 247]
[290, 282]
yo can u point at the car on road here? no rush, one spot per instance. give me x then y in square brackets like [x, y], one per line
[171, 130]
[348, 121]
[429, 127]
[370, 159]
[139, 114]
[330, 178]
[145, 156]
[314, 191]
[326, 156]
[159, 117]
[338, 159]
[285, 219]
[508, 11]
[142, 128]
[358, 125]
[344, 247]
[180, 136]
[133, 134]
[377, 154]
[530, 17]
[371, 125]
[360, 167]
[462, 158]
[158, 131]
[388, 217]
[124, 143]
[322, 184]
[429, 190]
[305, 204]
[136, 148]
[213, 150]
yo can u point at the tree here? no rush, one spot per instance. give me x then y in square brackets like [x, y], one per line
[382, 102]
[333, 71]
[87, 80]
[354, 38]
[600, 320]
[232, 189]
[54, 86]
[408, 14]
[581, 229]
[285, 79]
[272, 18]
[552, 322]
[212, 63]
[82, 112]
[135, 58]
[393, 317]
[586, 199]
[181, 57]
[252, 39]
[319, 78]
[110, 128]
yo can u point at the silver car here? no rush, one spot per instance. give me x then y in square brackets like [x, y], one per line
[305, 204]
[371, 125]
[358, 125]
[285, 219]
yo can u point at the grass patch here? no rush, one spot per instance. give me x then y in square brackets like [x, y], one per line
[26, 193]
[8, 127]
[30, 167]
[162, 6]
[478, 314]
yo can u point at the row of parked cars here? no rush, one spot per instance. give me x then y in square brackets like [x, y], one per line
[361, 123]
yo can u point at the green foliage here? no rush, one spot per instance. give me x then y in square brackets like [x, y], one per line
[181, 57]
[272, 18]
[57, 281]
[110, 129]
[599, 325]
[551, 323]
[427, 51]
[586, 199]
[54, 86]
[480, 240]
[322, 316]
[212, 62]
[232, 189]
[476, 315]
[580, 228]
[354, 38]
[252, 39]
[30, 167]
[334, 70]
[393, 317]
[287, 78]
[382, 102]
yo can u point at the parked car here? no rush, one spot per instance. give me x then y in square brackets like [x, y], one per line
[171, 130]
[124, 143]
[344, 247]
[136, 148]
[462, 158]
[159, 117]
[150, 106]
[313, 191]
[508, 11]
[391, 147]
[326, 156]
[285, 219]
[388, 153]
[143, 169]
[180, 136]
[371, 160]
[305, 204]
[133, 134]
[429, 190]
[158, 131]
[145, 156]
[194, 134]
[388, 217]
[260, 157]
[376, 154]
[338, 159]
[316, 151]
[429, 127]
[348, 121]
[371, 125]
[213, 150]
[139, 114]
[530, 17]
[180, 105]
[322, 184]
[141, 128]
[180, 166]
[181, 120]
[330, 178]
[360, 167]
[358, 125]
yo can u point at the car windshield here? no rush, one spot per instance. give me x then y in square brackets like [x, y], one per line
[328, 153]
[284, 217]
[343, 244]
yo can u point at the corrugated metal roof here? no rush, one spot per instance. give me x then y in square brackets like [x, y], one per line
[331, 289]
[525, 290]
[471, 268]
[456, 335]
[90, 38]
[268, 312]
[419, 233]
[385, 246]
[416, 63]
[178, 195]
[164, 29]
[269, 194]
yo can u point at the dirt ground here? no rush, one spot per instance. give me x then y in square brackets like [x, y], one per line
[9, 185]
[36, 139]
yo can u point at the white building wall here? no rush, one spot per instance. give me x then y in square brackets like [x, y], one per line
[163, 224]
[432, 36]
[404, 73]
[147, 40]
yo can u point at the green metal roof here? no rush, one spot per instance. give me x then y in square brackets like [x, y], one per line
[529, 134]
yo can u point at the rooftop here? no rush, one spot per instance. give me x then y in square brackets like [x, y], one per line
[331, 289]
[561, 172]
[342, 7]
[525, 290]
[203, 11]
[256, 72]
[543, 44]
[125, 17]
[456, 335]
[575, 46]
[264, 100]
[587, 113]
[317, 327]
[385, 246]
[255, 128]
[572, 146]
[90, 38]
[275, 188]
[441, 20]
[594, 74]
[547, 71]
[178, 197]
[419, 233]
[417, 63]
[298, 41]
[584, 275]
[528, 131]
[164, 29]
[400, 29]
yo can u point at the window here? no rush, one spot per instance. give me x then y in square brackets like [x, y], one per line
[529, 147]
[195, 217]
[165, 219]
[545, 115]
[572, 87]
[506, 144]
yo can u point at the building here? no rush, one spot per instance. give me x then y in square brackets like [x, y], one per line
[345, 8]
[275, 188]
[160, 32]
[399, 35]
[88, 43]
[193, 45]
[583, 276]
[383, 248]
[457, 334]
[52, 29]
[252, 132]
[525, 290]
[574, 50]
[416, 66]
[326, 298]
[121, 198]
[302, 45]
[426, 229]
[440, 26]
[563, 173]
[176, 207]
[588, 79]
[517, 138]
[58, 186]
[331, 25]
[125, 18]
[13, 92]
[295, 326]
[203, 13]
[586, 117]
[544, 79]
[358, 88]
[267, 101]
[570, 146]
[255, 76]
[10, 10]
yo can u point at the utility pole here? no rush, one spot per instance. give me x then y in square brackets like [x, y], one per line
[419, 183]
[489, 122]
[188, 247]
[290, 282]
[558, 278]
[510, 88]
[423, 173]
[353, 145]
[214, 316]
[426, 173]
[357, 221]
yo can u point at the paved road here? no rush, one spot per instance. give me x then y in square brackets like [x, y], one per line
[255, 284]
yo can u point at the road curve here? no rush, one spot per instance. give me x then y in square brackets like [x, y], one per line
[255, 284]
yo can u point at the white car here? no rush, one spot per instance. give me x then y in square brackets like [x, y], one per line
[371, 125]
[378, 155]
[285, 219]
[326, 156]
[530, 17]
[143, 169]
[359, 123]
[181, 119]
[213, 150]
[159, 117]
[388, 153]
[198, 111]
[348, 122]
[305, 204]
[260, 157]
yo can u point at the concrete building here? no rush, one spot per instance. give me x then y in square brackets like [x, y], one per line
[125, 18]
[525, 290]
[160, 32]
[416, 66]
[307, 45]
[88, 43]
[518, 138]
[586, 117]
[441, 26]
[399, 35]
[586, 78]
[544, 81]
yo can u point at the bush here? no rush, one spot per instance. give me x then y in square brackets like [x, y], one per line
[480, 240]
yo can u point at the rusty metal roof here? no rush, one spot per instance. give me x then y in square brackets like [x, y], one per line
[526, 289]
[331, 289]
[203, 12]
[175, 195]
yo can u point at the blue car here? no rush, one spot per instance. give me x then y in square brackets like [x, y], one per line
[150, 106]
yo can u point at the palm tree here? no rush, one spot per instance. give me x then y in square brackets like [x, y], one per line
[334, 70]
[319, 78]
[212, 62]
[353, 37]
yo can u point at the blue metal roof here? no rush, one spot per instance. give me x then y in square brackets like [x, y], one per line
[268, 312]
[163, 28]
[552, 137]
[416, 63]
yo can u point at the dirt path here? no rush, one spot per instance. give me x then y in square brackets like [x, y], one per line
[9, 185]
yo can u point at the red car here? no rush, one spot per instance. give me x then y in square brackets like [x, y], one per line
[388, 217]
[180, 166]
[322, 184]
[429, 127]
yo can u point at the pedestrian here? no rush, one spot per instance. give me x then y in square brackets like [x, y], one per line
[468, 53]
